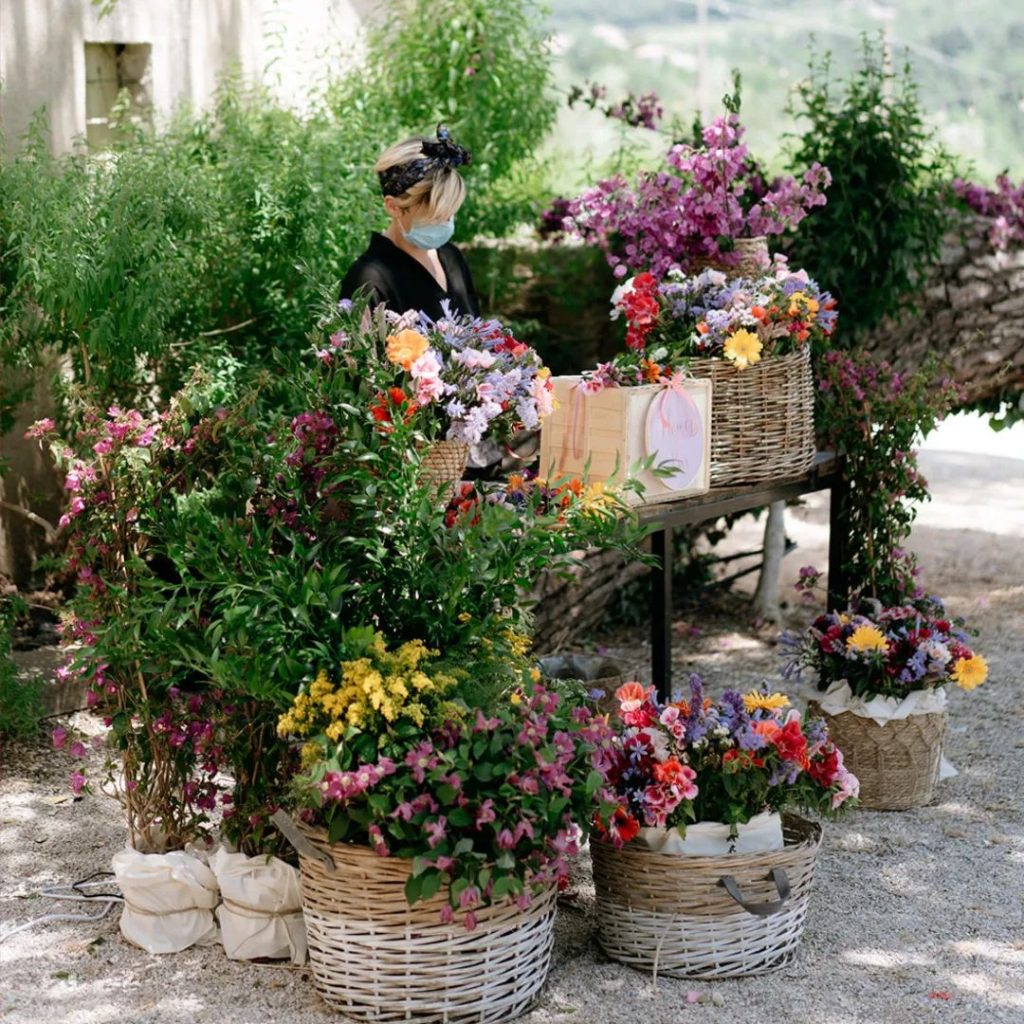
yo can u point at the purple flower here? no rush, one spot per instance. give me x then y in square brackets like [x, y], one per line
[436, 831]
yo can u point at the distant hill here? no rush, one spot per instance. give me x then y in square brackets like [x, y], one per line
[968, 61]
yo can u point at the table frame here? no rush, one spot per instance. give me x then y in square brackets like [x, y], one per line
[825, 474]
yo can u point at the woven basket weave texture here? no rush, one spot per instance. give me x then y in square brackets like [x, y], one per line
[375, 958]
[442, 466]
[666, 914]
[897, 763]
[752, 259]
[762, 418]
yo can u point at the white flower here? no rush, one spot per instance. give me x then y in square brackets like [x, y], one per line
[617, 296]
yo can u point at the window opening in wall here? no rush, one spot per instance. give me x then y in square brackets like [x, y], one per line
[117, 89]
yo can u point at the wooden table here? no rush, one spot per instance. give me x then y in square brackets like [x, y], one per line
[825, 474]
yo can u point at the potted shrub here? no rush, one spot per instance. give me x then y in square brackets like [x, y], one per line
[883, 679]
[433, 836]
[703, 870]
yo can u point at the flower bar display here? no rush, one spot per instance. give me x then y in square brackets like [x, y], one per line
[610, 426]
[883, 681]
[702, 871]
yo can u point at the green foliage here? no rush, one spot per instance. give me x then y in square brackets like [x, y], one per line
[483, 68]
[889, 205]
[875, 418]
[218, 235]
[21, 702]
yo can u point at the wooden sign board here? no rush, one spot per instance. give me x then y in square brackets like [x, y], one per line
[603, 436]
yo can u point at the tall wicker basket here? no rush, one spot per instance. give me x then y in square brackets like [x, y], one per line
[375, 958]
[442, 466]
[705, 917]
[751, 259]
[762, 418]
[897, 763]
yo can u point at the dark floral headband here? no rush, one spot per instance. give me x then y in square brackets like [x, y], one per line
[445, 152]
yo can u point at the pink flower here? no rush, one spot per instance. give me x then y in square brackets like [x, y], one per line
[469, 897]
[104, 447]
[146, 437]
[506, 841]
[447, 914]
[436, 831]
[40, 427]
[59, 736]
[77, 749]
[470, 921]
[77, 781]
[485, 815]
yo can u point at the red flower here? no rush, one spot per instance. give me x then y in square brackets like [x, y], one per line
[625, 825]
[823, 770]
[791, 743]
[671, 772]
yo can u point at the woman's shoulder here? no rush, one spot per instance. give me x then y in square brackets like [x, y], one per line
[371, 270]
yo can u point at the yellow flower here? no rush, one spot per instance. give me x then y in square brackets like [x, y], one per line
[799, 303]
[743, 348]
[535, 674]
[867, 638]
[515, 697]
[320, 686]
[543, 373]
[464, 617]
[757, 701]
[309, 755]
[405, 347]
[969, 673]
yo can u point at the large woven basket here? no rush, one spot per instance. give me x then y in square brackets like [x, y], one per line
[897, 763]
[751, 259]
[375, 958]
[762, 418]
[679, 916]
[442, 466]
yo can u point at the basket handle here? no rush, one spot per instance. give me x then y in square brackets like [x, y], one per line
[287, 828]
[781, 881]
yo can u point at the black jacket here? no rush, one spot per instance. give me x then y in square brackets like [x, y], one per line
[394, 277]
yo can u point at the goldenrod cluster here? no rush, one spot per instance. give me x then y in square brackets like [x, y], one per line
[374, 690]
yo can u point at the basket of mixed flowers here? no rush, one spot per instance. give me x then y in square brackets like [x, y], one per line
[467, 381]
[883, 681]
[752, 338]
[703, 872]
[433, 837]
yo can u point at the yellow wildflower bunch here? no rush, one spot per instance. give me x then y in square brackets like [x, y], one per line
[373, 691]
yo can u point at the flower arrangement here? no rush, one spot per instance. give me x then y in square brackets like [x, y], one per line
[722, 761]
[695, 207]
[893, 653]
[489, 806]
[742, 320]
[462, 378]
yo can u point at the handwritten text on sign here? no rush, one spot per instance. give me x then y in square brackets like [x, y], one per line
[674, 435]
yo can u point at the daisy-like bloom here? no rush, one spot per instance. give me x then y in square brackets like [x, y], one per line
[867, 638]
[405, 347]
[969, 673]
[757, 701]
[743, 348]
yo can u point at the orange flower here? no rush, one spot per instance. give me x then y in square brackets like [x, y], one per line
[631, 695]
[652, 371]
[767, 728]
[405, 347]
[702, 328]
[759, 312]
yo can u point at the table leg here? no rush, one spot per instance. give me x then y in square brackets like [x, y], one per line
[838, 585]
[661, 613]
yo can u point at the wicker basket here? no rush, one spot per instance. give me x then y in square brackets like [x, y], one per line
[442, 466]
[375, 958]
[599, 673]
[705, 917]
[762, 418]
[752, 259]
[897, 763]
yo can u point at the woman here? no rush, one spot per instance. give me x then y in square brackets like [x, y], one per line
[413, 264]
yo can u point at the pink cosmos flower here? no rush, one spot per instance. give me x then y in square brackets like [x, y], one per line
[59, 736]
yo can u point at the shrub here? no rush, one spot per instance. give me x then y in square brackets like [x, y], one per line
[21, 702]
[889, 205]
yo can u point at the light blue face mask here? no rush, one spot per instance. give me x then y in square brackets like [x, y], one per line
[430, 236]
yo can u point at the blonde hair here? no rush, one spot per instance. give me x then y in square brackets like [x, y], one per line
[437, 195]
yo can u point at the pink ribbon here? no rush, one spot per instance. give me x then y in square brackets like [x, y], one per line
[674, 383]
[578, 428]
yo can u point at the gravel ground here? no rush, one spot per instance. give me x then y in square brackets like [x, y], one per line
[917, 918]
